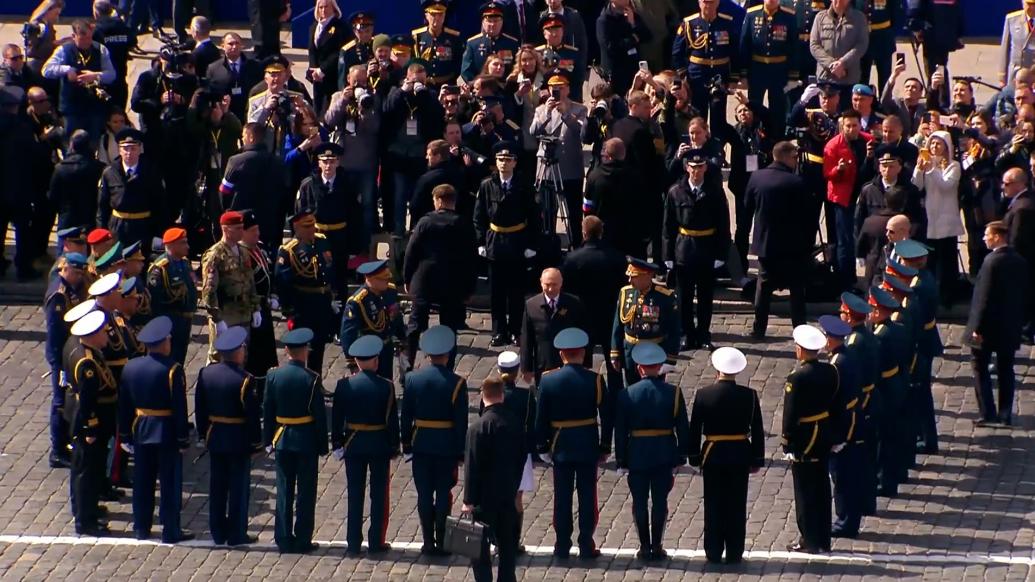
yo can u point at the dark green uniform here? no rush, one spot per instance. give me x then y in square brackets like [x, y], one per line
[478, 49]
[174, 294]
[895, 358]
[302, 279]
[368, 313]
[652, 316]
[353, 53]
[442, 54]
[865, 348]
[567, 60]
[928, 347]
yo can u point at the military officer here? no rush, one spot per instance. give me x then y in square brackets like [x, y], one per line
[174, 290]
[132, 266]
[864, 349]
[706, 46]
[728, 417]
[490, 41]
[359, 50]
[64, 292]
[438, 45]
[520, 401]
[100, 241]
[557, 55]
[332, 199]
[153, 417]
[108, 262]
[574, 423]
[303, 285]
[805, 13]
[70, 240]
[809, 436]
[131, 199]
[262, 343]
[89, 377]
[227, 287]
[374, 310]
[647, 312]
[652, 439]
[365, 434]
[1017, 48]
[433, 429]
[131, 303]
[295, 425]
[226, 410]
[885, 22]
[909, 316]
[769, 56]
[892, 386]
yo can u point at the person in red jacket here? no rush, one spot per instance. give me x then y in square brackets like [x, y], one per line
[842, 157]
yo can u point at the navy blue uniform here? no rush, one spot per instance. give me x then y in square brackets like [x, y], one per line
[59, 299]
[478, 49]
[847, 466]
[707, 50]
[928, 347]
[895, 359]
[568, 59]
[433, 429]
[769, 57]
[571, 399]
[368, 313]
[337, 218]
[442, 54]
[865, 349]
[226, 409]
[174, 294]
[365, 423]
[652, 316]
[153, 416]
[303, 279]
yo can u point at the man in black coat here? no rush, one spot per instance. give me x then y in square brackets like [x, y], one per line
[995, 322]
[620, 30]
[611, 188]
[205, 50]
[1019, 219]
[72, 184]
[546, 314]
[113, 32]
[780, 238]
[234, 75]
[16, 143]
[256, 179]
[871, 240]
[636, 132]
[443, 168]
[875, 196]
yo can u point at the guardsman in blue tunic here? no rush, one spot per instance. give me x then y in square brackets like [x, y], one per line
[365, 434]
[295, 425]
[360, 49]
[565, 55]
[63, 293]
[574, 422]
[769, 56]
[864, 348]
[433, 430]
[892, 386]
[521, 402]
[846, 462]
[153, 417]
[647, 312]
[174, 289]
[728, 417]
[706, 45]
[886, 19]
[652, 439]
[303, 280]
[332, 199]
[226, 408]
[490, 41]
[374, 310]
[439, 46]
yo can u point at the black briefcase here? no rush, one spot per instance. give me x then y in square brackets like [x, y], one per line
[464, 536]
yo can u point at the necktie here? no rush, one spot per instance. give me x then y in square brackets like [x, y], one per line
[130, 172]
[550, 307]
[233, 69]
[521, 17]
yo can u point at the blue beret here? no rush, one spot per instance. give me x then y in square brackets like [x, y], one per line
[860, 89]
[648, 354]
[832, 325]
[571, 338]
[897, 267]
[882, 298]
[156, 330]
[366, 347]
[855, 303]
[230, 339]
[898, 285]
[910, 249]
[128, 285]
[77, 260]
[371, 267]
[437, 341]
[297, 337]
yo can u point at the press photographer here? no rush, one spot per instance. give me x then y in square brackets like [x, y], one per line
[277, 106]
[605, 109]
[82, 66]
[218, 132]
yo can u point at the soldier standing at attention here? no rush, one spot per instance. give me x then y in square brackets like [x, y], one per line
[295, 425]
[728, 416]
[262, 343]
[434, 431]
[807, 436]
[64, 293]
[490, 41]
[228, 288]
[647, 312]
[226, 408]
[374, 310]
[153, 417]
[174, 289]
[521, 402]
[769, 49]
[438, 45]
[864, 349]
[332, 200]
[569, 436]
[894, 357]
[365, 434]
[652, 439]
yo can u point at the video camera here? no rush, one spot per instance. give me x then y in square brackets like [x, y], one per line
[31, 32]
[548, 149]
[717, 87]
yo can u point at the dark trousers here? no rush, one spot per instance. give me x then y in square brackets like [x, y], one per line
[944, 266]
[140, 11]
[181, 336]
[507, 295]
[892, 452]
[229, 484]
[927, 426]
[1004, 372]
[651, 485]
[780, 273]
[701, 99]
[743, 234]
[265, 25]
[182, 10]
[847, 471]
[356, 469]
[85, 481]
[451, 313]
[503, 529]
[844, 232]
[41, 222]
[771, 84]
[19, 218]
[632, 375]
[883, 63]
[164, 464]
[602, 338]
[725, 510]
[812, 503]
[434, 477]
[932, 58]
[296, 500]
[58, 425]
[868, 483]
[569, 478]
[696, 279]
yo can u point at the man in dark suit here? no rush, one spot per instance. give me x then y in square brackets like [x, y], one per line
[234, 74]
[443, 168]
[256, 179]
[521, 20]
[611, 188]
[205, 50]
[1019, 219]
[545, 315]
[1000, 294]
[637, 133]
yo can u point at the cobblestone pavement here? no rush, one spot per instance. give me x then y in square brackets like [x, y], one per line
[966, 513]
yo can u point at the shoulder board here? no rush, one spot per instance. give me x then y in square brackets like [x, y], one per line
[663, 290]
[725, 16]
[896, 316]
[880, 328]
[451, 31]
[391, 285]
[290, 244]
[359, 294]
[906, 302]
[754, 9]
[835, 359]
[550, 371]
[261, 94]
[1015, 13]
[419, 30]
[853, 337]
[570, 47]
[321, 235]
[475, 37]
[513, 125]
[691, 17]
[915, 282]
[162, 262]
[812, 110]
[541, 47]
[349, 45]
[505, 35]
[627, 288]
[787, 10]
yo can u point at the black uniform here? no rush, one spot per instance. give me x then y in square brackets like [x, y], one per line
[262, 345]
[264, 17]
[352, 53]
[896, 355]
[337, 217]
[116, 36]
[73, 175]
[132, 207]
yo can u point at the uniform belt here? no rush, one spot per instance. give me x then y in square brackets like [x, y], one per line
[294, 419]
[930, 325]
[131, 215]
[573, 423]
[768, 60]
[696, 232]
[324, 227]
[107, 400]
[851, 404]
[803, 36]
[880, 25]
[314, 290]
[507, 229]
[724, 438]
[421, 423]
[226, 419]
[366, 427]
[710, 62]
[158, 412]
[635, 340]
[889, 373]
[651, 432]
[814, 417]
[813, 158]
[117, 362]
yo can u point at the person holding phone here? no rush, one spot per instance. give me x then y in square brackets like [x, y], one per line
[938, 174]
[842, 157]
[620, 31]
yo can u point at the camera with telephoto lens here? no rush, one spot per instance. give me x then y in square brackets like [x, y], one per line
[477, 157]
[284, 107]
[31, 33]
[364, 98]
[600, 109]
[717, 87]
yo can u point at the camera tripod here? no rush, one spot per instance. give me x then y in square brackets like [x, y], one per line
[549, 186]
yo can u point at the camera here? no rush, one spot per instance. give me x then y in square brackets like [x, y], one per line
[284, 107]
[600, 109]
[31, 32]
[477, 157]
[717, 87]
[364, 98]
[548, 149]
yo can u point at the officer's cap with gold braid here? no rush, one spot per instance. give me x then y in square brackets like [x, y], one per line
[491, 9]
[640, 267]
[557, 78]
[549, 21]
[374, 270]
[433, 6]
[304, 217]
[361, 18]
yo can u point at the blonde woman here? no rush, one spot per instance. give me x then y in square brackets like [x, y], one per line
[326, 37]
[938, 175]
[523, 86]
[41, 39]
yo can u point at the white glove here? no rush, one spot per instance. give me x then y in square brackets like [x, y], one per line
[269, 449]
[407, 457]
[546, 458]
[669, 265]
[220, 327]
[336, 306]
[199, 444]
[274, 304]
[126, 447]
[339, 454]
[529, 253]
[789, 457]
[860, 263]
[481, 251]
[157, 244]
[257, 319]
[718, 264]
[837, 448]
[809, 92]
[667, 369]
[790, 85]
[623, 472]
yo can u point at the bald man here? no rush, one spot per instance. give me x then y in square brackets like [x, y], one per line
[872, 242]
[546, 314]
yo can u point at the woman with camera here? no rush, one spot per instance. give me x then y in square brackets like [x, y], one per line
[521, 88]
[938, 174]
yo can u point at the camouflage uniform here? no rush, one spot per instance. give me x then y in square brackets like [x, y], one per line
[228, 288]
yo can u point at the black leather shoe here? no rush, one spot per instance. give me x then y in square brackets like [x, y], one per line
[499, 340]
[839, 533]
[248, 539]
[521, 551]
[355, 551]
[687, 344]
[111, 495]
[60, 461]
[562, 553]
[707, 345]
[658, 554]
[97, 531]
[757, 334]
[985, 422]
[589, 554]
[142, 535]
[185, 535]
[380, 549]
[799, 547]
[643, 554]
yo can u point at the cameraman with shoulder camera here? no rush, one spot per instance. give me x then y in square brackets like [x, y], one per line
[82, 67]
[218, 131]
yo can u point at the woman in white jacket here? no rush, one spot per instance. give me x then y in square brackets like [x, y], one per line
[937, 174]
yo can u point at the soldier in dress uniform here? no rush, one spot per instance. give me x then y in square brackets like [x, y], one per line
[696, 235]
[295, 425]
[647, 312]
[1017, 48]
[226, 410]
[574, 422]
[439, 46]
[228, 287]
[70, 240]
[729, 418]
[652, 439]
[262, 343]
[360, 49]
[490, 41]
[521, 402]
[863, 348]
[557, 55]
[808, 434]
[303, 285]
[63, 293]
[100, 241]
[433, 428]
[332, 199]
[108, 263]
[131, 303]
[769, 53]
[892, 386]
[909, 316]
[153, 417]
[805, 13]
[706, 46]
[131, 199]
[374, 310]
[132, 266]
[886, 21]
[365, 434]
[174, 289]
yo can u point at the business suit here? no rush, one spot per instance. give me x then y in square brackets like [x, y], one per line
[205, 53]
[235, 80]
[522, 23]
[324, 50]
[1020, 226]
[540, 324]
